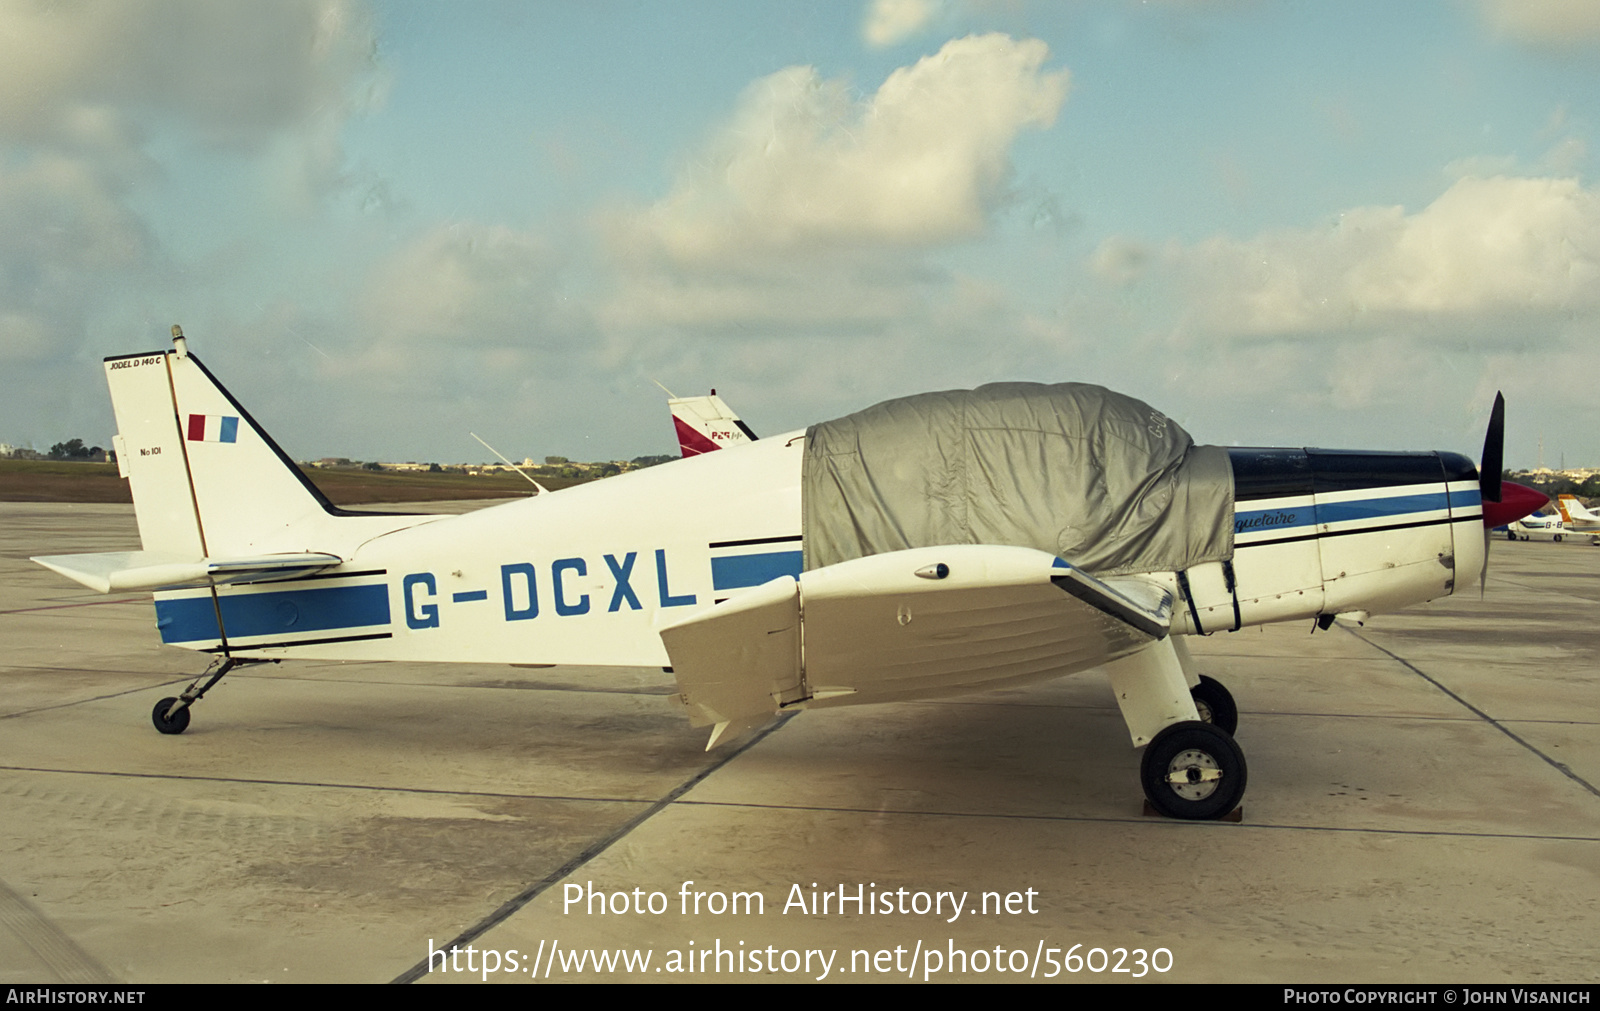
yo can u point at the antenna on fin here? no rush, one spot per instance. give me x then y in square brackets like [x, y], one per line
[178, 341]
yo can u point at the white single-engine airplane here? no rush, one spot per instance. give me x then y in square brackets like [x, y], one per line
[934, 545]
[1578, 518]
[1536, 526]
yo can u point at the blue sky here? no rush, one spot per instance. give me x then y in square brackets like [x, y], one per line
[385, 225]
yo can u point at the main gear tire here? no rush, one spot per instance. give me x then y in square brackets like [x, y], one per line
[1193, 771]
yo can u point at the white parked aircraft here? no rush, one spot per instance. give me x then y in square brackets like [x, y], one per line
[768, 580]
[706, 423]
[1536, 527]
[1578, 519]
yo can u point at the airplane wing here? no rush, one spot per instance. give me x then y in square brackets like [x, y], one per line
[118, 571]
[903, 624]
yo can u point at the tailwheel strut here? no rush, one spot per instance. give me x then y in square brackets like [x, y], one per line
[171, 714]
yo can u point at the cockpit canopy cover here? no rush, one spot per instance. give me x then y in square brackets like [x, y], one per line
[1100, 479]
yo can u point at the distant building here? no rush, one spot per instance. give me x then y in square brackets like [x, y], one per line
[1579, 474]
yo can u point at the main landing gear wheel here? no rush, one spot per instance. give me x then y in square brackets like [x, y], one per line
[177, 723]
[1193, 771]
[1215, 705]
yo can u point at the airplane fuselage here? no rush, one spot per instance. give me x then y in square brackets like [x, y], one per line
[588, 575]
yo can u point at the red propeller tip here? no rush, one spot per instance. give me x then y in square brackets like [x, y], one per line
[1516, 501]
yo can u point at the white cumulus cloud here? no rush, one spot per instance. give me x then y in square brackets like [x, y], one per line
[1557, 24]
[88, 93]
[65, 236]
[889, 22]
[1487, 247]
[804, 166]
[460, 284]
[234, 69]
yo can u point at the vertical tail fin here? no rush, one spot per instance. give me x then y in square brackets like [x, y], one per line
[706, 423]
[1572, 509]
[207, 481]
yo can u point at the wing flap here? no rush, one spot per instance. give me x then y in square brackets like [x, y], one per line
[738, 662]
[122, 571]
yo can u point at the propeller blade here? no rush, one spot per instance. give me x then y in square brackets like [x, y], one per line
[1492, 490]
[1483, 573]
[1516, 501]
[1494, 451]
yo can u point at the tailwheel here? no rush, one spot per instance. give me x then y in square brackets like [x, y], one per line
[171, 715]
[1215, 704]
[1193, 771]
[168, 720]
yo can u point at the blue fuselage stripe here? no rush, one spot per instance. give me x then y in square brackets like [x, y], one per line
[732, 572]
[282, 612]
[1381, 508]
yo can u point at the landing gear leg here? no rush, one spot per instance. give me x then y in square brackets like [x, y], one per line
[171, 715]
[1191, 768]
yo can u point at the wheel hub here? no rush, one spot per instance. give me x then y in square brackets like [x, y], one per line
[1193, 774]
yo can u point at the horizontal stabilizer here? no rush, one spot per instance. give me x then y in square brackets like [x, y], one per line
[118, 571]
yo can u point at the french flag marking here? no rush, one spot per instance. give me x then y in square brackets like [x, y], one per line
[213, 428]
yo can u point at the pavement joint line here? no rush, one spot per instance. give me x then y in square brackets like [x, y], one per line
[1404, 716]
[592, 851]
[86, 603]
[656, 805]
[96, 698]
[1148, 820]
[114, 671]
[311, 784]
[1560, 767]
[190, 677]
[114, 695]
[659, 692]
